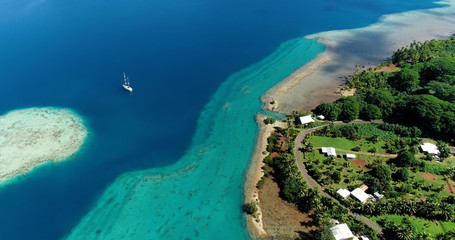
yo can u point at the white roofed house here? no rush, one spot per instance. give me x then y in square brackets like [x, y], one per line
[343, 193]
[378, 195]
[430, 148]
[350, 155]
[342, 232]
[306, 119]
[329, 151]
[360, 195]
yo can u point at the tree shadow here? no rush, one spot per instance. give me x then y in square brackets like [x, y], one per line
[304, 235]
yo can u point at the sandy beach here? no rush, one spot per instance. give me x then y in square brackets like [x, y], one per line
[321, 79]
[254, 174]
[33, 136]
[277, 218]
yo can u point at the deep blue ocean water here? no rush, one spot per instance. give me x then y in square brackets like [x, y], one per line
[72, 54]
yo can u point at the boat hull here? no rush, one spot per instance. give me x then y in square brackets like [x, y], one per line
[128, 88]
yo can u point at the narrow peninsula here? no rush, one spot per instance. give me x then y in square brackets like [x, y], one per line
[33, 136]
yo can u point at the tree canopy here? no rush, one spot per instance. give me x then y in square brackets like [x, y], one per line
[421, 93]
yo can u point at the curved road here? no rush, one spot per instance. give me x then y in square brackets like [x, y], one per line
[314, 184]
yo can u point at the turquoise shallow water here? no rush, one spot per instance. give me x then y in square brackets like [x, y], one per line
[200, 197]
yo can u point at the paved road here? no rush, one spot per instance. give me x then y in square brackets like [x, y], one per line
[314, 184]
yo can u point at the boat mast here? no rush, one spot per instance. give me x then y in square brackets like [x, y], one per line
[128, 81]
[124, 78]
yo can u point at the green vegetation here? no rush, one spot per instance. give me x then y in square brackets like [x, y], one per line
[251, 208]
[341, 143]
[432, 228]
[282, 166]
[269, 120]
[413, 186]
[420, 94]
[416, 101]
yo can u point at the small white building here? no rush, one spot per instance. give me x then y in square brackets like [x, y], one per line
[364, 238]
[430, 148]
[320, 117]
[306, 119]
[341, 232]
[343, 192]
[378, 195]
[350, 155]
[329, 151]
[360, 195]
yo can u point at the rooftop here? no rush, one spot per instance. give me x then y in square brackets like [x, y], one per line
[330, 151]
[343, 192]
[360, 195]
[341, 232]
[430, 148]
[306, 119]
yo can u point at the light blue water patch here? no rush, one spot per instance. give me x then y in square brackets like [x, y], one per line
[199, 197]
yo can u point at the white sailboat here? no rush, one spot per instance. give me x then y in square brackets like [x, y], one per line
[126, 83]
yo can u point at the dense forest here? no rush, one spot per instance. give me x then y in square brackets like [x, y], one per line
[419, 92]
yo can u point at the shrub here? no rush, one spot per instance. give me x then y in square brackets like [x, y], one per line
[250, 208]
[269, 120]
[405, 159]
[402, 175]
[350, 109]
[444, 149]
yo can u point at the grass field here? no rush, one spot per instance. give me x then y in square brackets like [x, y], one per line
[346, 144]
[422, 225]
[341, 143]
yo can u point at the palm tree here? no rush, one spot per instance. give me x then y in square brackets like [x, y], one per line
[369, 208]
[404, 233]
[400, 207]
[412, 208]
[385, 207]
[423, 236]
[446, 211]
[426, 210]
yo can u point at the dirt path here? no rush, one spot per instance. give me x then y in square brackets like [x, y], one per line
[313, 183]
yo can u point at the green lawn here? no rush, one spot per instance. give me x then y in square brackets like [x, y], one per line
[346, 144]
[366, 146]
[341, 143]
[353, 173]
[422, 225]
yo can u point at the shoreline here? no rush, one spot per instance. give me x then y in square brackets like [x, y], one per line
[254, 174]
[320, 80]
[297, 76]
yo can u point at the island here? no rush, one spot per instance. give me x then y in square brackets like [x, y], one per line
[374, 164]
[34, 136]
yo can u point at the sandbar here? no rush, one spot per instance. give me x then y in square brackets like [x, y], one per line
[33, 136]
